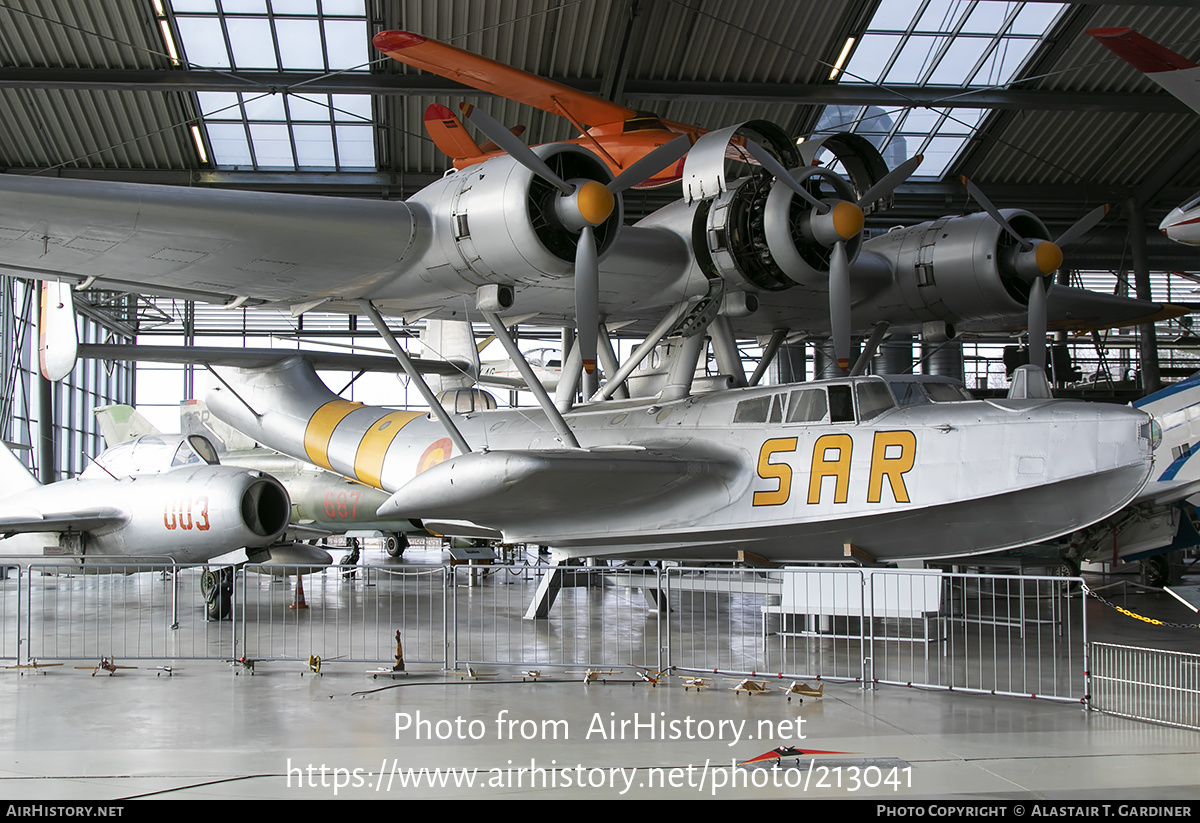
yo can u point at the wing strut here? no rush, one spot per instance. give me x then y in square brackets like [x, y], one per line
[368, 308]
[534, 385]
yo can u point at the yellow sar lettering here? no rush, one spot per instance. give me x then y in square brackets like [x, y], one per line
[893, 454]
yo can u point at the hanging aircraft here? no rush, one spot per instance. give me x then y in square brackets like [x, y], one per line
[149, 497]
[768, 246]
[322, 503]
[1181, 77]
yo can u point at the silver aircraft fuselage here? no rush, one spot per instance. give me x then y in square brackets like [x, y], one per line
[901, 468]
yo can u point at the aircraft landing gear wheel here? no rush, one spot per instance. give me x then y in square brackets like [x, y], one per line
[395, 544]
[1156, 571]
[217, 589]
[1067, 567]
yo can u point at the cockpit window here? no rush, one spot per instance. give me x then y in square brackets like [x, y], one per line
[807, 406]
[841, 405]
[1191, 204]
[908, 393]
[204, 448]
[873, 399]
[643, 123]
[753, 410]
[946, 393]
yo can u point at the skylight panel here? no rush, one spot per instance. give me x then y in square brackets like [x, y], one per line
[300, 43]
[915, 58]
[872, 56]
[204, 41]
[251, 42]
[278, 130]
[956, 43]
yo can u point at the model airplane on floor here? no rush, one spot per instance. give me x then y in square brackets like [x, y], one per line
[152, 496]
[1181, 77]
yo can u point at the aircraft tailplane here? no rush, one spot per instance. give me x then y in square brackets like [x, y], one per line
[120, 423]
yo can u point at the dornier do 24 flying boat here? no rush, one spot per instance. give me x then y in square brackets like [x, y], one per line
[899, 467]
[539, 233]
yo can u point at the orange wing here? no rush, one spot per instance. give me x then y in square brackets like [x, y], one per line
[496, 78]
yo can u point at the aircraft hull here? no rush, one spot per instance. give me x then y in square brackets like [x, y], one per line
[698, 478]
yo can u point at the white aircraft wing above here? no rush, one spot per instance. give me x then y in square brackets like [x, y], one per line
[205, 244]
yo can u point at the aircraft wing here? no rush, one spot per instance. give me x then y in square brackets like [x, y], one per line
[1080, 310]
[264, 358]
[499, 79]
[497, 487]
[202, 244]
[1175, 73]
[22, 520]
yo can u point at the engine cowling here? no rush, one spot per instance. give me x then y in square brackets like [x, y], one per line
[954, 268]
[497, 222]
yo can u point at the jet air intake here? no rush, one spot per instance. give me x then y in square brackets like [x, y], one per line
[265, 507]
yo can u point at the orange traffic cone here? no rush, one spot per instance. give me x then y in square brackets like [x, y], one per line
[299, 602]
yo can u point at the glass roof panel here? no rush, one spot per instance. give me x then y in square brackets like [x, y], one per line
[204, 40]
[962, 56]
[300, 43]
[914, 59]
[228, 141]
[870, 58]
[956, 43]
[281, 131]
[940, 15]
[314, 147]
[251, 41]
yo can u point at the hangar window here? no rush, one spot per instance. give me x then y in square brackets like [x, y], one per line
[956, 44]
[263, 129]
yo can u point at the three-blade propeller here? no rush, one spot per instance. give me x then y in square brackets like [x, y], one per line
[582, 206]
[833, 224]
[1033, 260]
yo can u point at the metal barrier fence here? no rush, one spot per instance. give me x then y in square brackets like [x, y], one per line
[136, 611]
[601, 617]
[994, 634]
[1146, 684]
[348, 614]
[10, 612]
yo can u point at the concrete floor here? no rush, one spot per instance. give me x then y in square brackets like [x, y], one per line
[210, 731]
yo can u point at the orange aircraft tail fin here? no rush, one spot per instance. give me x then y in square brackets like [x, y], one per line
[448, 133]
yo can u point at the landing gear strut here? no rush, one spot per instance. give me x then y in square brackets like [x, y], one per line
[217, 589]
